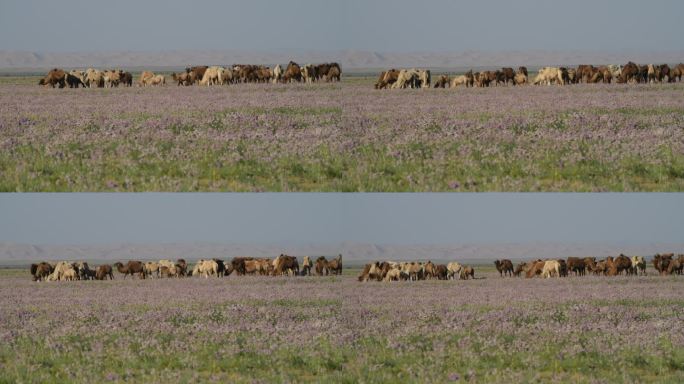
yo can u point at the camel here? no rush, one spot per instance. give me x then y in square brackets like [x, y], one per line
[182, 267]
[157, 80]
[285, 264]
[104, 271]
[70, 275]
[151, 267]
[322, 266]
[41, 271]
[662, 261]
[306, 266]
[183, 78]
[94, 78]
[676, 266]
[551, 268]
[213, 76]
[145, 77]
[75, 79]
[576, 265]
[534, 268]
[638, 265]
[277, 74]
[168, 272]
[441, 272]
[292, 73]
[519, 269]
[453, 270]
[84, 272]
[622, 263]
[429, 270]
[505, 267]
[334, 73]
[112, 78]
[413, 270]
[408, 78]
[131, 268]
[205, 268]
[387, 79]
[335, 265]
[59, 270]
[519, 79]
[365, 273]
[394, 274]
[56, 77]
[467, 272]
[309, 73]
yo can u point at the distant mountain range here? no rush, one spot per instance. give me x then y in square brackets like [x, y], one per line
[21, 254]
[348, 59]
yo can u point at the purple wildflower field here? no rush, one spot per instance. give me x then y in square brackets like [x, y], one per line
[342, 137]
[336, 329]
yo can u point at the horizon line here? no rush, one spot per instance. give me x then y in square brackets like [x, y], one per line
[346, 243]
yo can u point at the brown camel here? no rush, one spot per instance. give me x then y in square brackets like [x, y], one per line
[131, 268]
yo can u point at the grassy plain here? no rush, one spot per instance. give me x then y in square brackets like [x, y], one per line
[335, 329]
[341, 137]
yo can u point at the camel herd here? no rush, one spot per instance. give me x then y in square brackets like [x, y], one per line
[251, 73]
[414, 271]
[284, 265]
[664, 264]
[202, 75]
[240, 266]
[405, 78]
[90, 78]
[390, 79]
[588, 74]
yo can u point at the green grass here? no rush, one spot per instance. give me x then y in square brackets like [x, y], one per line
[20, 80]
[288, 330]
[188, 156]
[370, 359]
[366, 168]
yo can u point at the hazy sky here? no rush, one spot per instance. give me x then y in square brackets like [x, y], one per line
[376, 25]
[333, 218]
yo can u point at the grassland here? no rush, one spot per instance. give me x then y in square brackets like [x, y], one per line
[341, 137]
[247, 329]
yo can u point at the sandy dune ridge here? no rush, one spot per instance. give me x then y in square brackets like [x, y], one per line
[13, 253]
[349, 59]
